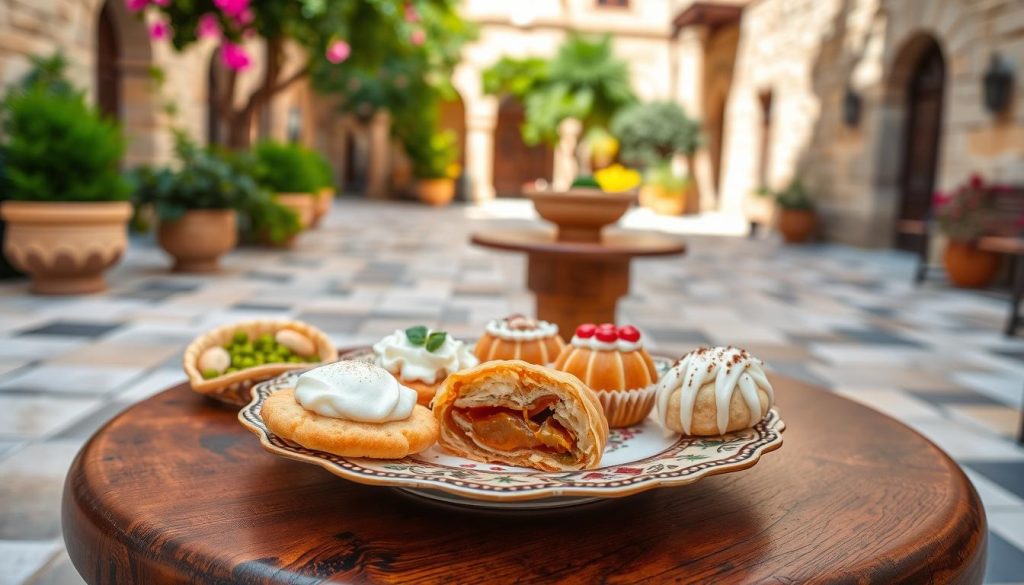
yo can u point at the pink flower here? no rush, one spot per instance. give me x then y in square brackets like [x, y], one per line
[245, 17]
[233, 8]
[135, 5]
[159, 30]
[418, 37]
[209, 26]
[976, 181]
[410, 13]
[161, 2]
[234, 57]
[338, 51]
[940, 198]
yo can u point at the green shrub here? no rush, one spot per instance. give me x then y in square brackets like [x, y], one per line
[205, 181]
[267, 219]
[325, 172]
[794, 196]
[652, 133]
[434, 157]
[59, 149]
[285, 168]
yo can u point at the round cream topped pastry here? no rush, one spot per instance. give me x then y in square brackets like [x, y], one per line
[422, 359]
[352, 409]
[613, 362]
[354, 390]
[517, 337]
[698, 395]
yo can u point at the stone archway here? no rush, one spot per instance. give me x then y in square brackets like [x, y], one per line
[124, 87]
[910, 140]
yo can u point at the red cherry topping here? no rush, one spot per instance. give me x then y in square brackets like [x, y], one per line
[586, 331]
[606, 335]
[629, 333]
[607, 326]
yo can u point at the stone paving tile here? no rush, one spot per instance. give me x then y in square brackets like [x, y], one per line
[844, 319]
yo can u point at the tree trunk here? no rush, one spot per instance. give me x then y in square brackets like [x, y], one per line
[239, 129]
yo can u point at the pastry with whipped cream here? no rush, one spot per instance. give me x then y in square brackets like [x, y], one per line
[421, 359]
[519, 338]
[351, 409]
[612, 361]
[713, 391]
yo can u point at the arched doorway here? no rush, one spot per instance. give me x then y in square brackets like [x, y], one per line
[922, 134]
[108, 69]
[124, 86]
[515, 163]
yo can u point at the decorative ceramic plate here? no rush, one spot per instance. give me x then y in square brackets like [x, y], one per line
[636, 459]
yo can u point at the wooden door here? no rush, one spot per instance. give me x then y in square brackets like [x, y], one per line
[515, 163]
[108, 70]
[921, 143]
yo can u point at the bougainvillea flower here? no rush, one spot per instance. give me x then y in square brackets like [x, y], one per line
[976, 181]
[338, 51]
[234, 57]
[159, 30]
[410, 13]
[135, 5]
[162, 2]
[418, 37]
[233, 8]
[209, 27]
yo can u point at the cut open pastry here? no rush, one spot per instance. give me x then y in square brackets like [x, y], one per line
[521, 414]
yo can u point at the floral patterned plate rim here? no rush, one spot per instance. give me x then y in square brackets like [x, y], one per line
[636, 459]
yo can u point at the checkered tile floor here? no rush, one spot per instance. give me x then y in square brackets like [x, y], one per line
[846, 319]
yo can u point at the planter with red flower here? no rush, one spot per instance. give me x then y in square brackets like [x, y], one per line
[964, 216]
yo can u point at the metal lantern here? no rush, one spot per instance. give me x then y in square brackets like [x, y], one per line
[997, 85]
[852, 104]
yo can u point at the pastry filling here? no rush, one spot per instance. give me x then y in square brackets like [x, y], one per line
[509, 429]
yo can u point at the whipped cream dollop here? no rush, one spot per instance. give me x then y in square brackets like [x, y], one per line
[398, 355]
[354, 390]
[514, 330]
[729, 369]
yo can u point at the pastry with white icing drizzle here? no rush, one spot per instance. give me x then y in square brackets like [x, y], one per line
[713, 391]
[517, 337]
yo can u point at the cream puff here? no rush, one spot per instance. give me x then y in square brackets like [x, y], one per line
[421, 359]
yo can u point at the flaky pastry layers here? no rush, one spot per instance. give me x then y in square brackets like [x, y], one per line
[517, 413]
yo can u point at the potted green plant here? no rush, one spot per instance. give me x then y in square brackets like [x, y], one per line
[650, 135]
[195, 205]
[964, 216]
[797, 218]
[66, 202]
[435, 169]
[664, 191]
[288, 171]
[325, 178]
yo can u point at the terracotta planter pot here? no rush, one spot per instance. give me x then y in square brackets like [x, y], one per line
[969, 267]
[581, 214]
[662, 201]
[199, 239]
[797, 226]
[324, 202]
[436, 192]
[65, 247]
[303, 204]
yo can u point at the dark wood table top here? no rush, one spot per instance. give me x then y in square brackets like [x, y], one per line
[174, 490]
[616, 243]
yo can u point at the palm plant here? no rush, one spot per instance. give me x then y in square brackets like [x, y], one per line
[584, 81]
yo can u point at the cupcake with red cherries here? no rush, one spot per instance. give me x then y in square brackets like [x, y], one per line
[613, 362]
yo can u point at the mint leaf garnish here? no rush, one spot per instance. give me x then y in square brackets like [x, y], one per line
[436, 340]
[417, 335]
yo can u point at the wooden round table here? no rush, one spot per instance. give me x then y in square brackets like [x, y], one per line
[174, 490]
[579, 282]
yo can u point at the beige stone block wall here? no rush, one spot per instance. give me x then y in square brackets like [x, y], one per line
[808, 51]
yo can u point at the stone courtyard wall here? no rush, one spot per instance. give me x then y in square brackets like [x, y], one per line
[807, 52]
